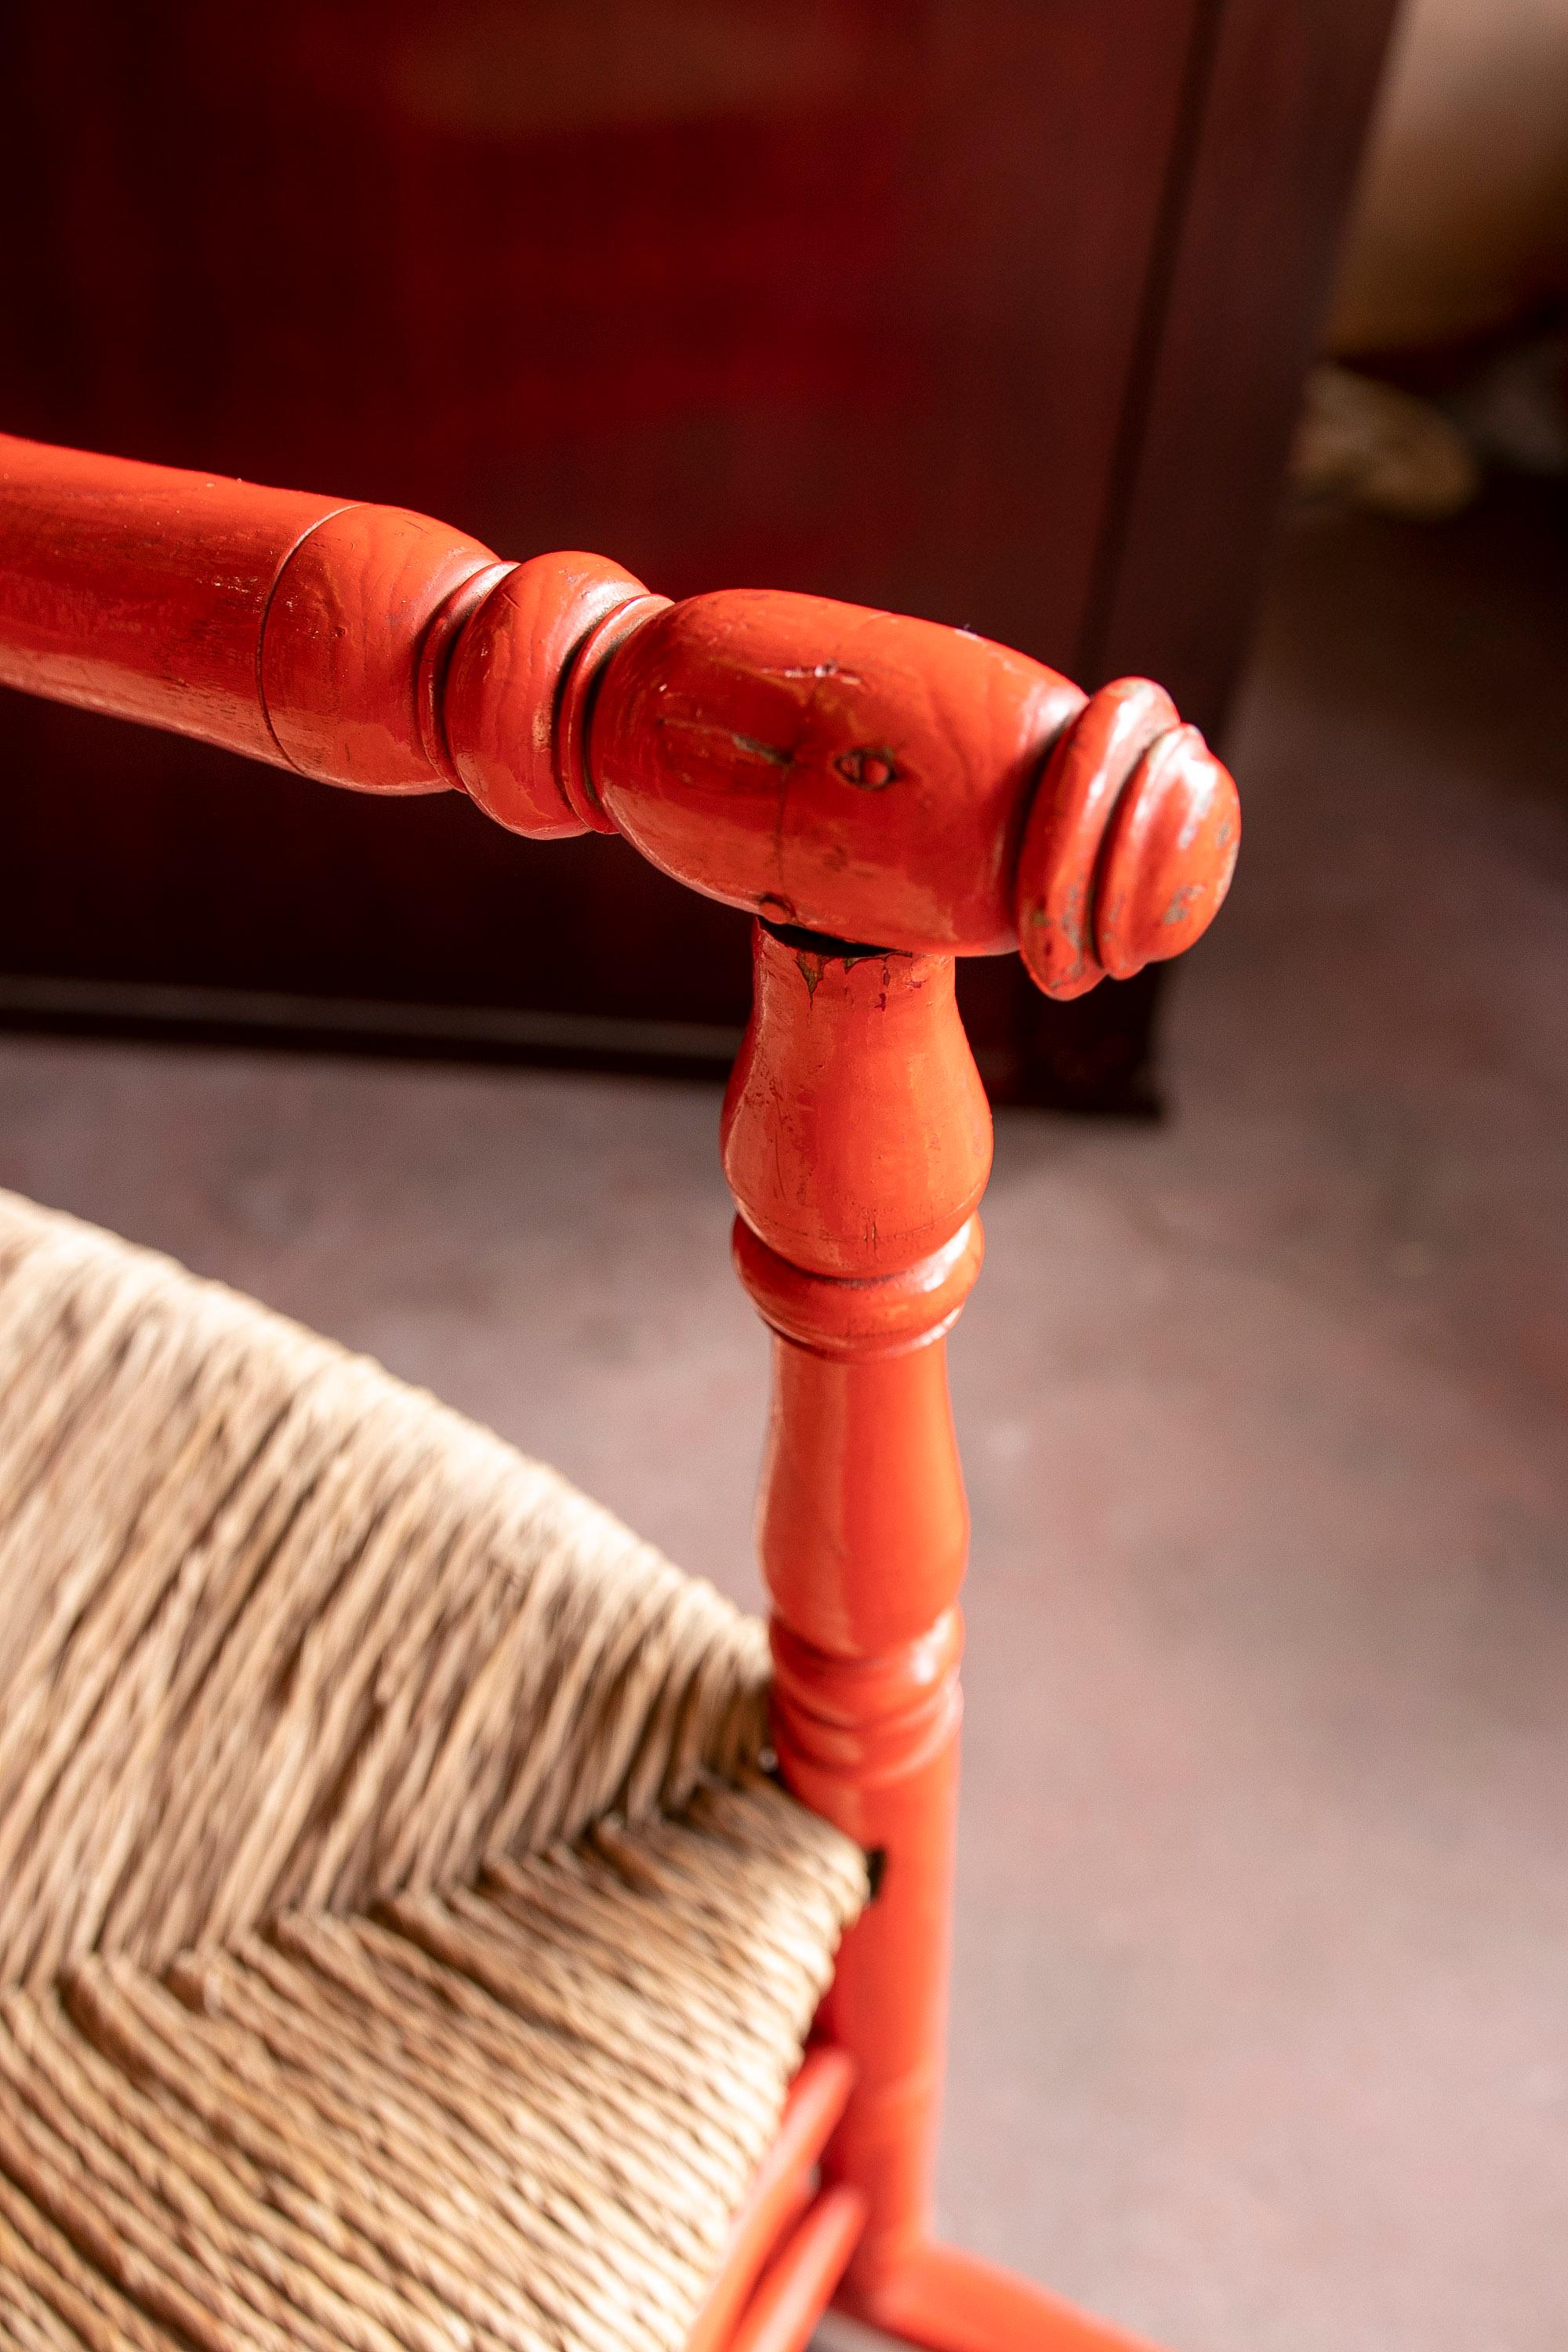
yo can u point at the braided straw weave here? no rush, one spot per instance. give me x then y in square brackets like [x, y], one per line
[399, 1948]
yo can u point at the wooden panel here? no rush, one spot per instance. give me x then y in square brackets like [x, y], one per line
[1279, 95]
[827, 292]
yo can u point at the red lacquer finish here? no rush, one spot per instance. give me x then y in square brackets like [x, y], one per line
[854, 1149]
[514, 694]
[798, 2284]
[142, 592]
[859, 774]
[863, 1526]
[885, 793]
[947, 2301]
[780, 2194]
[792, 751]
[856, 1142]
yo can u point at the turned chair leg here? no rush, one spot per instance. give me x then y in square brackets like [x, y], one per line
[857, 1143]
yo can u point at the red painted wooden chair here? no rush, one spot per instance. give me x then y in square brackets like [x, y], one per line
[884, 796]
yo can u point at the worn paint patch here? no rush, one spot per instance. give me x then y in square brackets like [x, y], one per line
[773, 752]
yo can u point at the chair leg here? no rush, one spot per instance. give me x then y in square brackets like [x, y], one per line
[797, 2285]
[856, 1142]
[779, 2194]
[946, 2301]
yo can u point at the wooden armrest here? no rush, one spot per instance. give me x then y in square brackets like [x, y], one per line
[857, 773]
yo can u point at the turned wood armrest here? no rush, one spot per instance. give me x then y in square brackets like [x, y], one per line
[852, 773]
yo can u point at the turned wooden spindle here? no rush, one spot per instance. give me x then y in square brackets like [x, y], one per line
[857, 1141]
[858, 773]
[849, 777]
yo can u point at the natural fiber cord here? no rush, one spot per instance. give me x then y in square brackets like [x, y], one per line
[400, 1947]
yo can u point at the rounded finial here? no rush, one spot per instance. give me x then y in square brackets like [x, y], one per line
[1130, 845]
[1169, 854]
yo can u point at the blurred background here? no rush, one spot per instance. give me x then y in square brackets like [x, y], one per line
[1224, 339]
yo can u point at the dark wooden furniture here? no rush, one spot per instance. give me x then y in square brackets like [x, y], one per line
[987, 310]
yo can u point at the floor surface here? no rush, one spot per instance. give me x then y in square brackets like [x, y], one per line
[1262, 2007]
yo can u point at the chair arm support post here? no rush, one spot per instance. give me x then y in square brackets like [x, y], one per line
[858, 1141]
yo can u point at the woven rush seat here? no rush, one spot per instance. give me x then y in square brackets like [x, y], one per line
[401, 1945]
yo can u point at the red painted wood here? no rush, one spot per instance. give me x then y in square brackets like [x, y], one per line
[816, 1186]
[361, 619]
[861, 774]
[1129, 846]
[132, 590]
[937, 308]
[947, 2301]
[856, 1142]
[792, 748]
[512, 708]
[863, 1526]
[831, 294]
[784, 300]
[780, 2193]
[288, 627]
[797, 2287]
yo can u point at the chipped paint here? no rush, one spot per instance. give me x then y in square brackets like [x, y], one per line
[773, 752]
